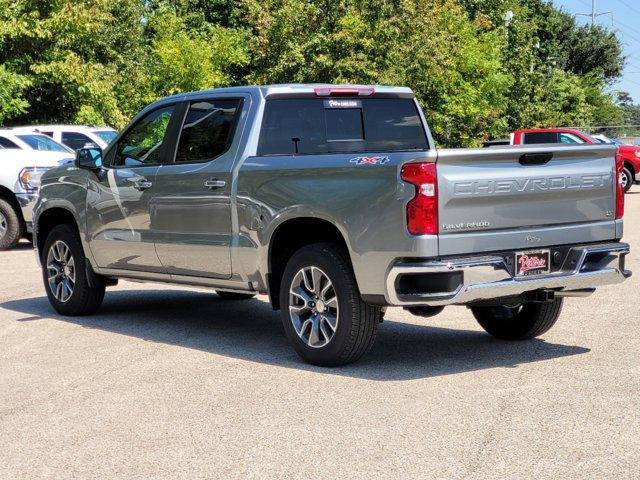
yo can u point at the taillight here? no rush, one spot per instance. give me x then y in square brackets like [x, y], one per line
[422, 209]
[619, 187]
[344, 91]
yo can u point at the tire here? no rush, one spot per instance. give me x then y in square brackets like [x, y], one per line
[627, 177]
[341, 331]
[63, 254]
[11, 226]
[523, 322]
[234, 296]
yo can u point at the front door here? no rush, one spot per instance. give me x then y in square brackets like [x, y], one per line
[191, 211]
[119, 197]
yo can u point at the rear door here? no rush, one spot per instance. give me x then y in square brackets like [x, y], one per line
[523, 197]
[191, 211]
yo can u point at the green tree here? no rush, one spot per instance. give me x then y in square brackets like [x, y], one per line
[184, 59]
[100, 61]
[453, 64]
[12, 87]
[560, 70]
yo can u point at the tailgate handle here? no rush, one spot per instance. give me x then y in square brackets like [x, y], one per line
[535, 158]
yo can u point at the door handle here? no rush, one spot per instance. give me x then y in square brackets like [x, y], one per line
[214, 183]
[142, 185]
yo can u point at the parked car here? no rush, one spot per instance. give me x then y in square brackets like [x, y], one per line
[20, 172]
[629, 155]
[333, 201]
[33, 142]
[76, 136]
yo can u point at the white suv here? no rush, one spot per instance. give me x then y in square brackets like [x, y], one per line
[20, 172]
[76, 136]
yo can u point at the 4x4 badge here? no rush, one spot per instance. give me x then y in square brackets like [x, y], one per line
[369, 160]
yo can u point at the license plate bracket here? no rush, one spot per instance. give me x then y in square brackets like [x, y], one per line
[533, 262]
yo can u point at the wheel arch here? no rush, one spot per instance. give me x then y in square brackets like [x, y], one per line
[629, 166]
[289, 236]
[50, 218]
[10, 197]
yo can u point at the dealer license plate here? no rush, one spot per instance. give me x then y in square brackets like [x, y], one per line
[534, 262]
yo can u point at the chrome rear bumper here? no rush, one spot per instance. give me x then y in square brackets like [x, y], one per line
[486, 277]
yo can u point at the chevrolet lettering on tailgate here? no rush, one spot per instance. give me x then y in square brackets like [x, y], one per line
[541, 184]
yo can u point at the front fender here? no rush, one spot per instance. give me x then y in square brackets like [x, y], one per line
[64, 188]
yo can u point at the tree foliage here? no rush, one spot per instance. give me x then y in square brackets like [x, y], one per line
[453, 64]
[100, 61]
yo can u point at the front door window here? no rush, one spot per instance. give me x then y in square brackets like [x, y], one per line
[143, 144]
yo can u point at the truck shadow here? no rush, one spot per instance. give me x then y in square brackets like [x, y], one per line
[252, 331]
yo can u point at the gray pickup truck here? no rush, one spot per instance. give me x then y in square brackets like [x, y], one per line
[334, 202]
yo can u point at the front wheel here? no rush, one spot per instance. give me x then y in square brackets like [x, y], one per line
[64, 271]
[323, 314]
[518, 322]
[11, 226]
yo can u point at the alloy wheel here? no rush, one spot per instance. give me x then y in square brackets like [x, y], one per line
[313, 306]
[61, 271]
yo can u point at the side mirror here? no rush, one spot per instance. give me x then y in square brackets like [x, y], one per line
[89, 158]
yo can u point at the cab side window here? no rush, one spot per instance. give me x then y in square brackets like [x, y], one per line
[6, 143]
[142, 144]
[75, 140]
[540, 137]
[208, 130]
[570, 138]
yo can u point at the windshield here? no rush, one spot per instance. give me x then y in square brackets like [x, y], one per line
[43, 143]
[106, 135]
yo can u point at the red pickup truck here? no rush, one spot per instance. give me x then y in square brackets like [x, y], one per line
[629, 154]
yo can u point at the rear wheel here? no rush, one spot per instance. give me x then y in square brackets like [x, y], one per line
[323, 314]
[518, 322]
[626, 178]
[64, 271]
[11, 227]
[234, 296]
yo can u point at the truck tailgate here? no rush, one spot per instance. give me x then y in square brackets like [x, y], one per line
[518, 197]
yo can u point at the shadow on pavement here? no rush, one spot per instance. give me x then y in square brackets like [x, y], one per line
[23, 245]
[251, 330]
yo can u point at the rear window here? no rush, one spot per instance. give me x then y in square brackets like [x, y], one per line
[541, 137]
[308, 126]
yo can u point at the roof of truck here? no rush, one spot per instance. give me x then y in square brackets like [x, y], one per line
[548, 130]
[302, 89]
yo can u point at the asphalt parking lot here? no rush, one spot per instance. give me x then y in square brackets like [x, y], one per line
[168, 383]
